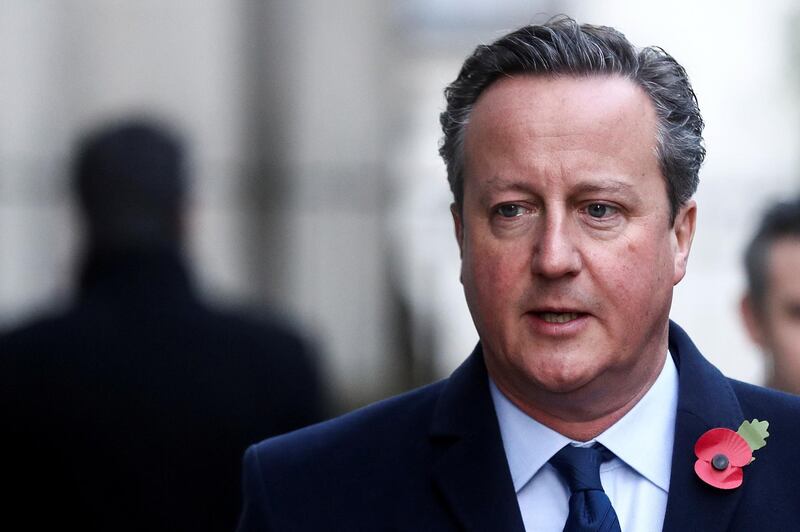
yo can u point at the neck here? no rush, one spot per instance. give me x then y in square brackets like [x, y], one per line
[581, 416]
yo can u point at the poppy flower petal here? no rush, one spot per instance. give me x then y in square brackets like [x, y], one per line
[730, 478]
[726, 442]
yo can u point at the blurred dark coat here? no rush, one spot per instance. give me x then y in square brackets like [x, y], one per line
[132, 410]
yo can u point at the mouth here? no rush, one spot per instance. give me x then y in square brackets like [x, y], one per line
[555, 316]
[558, 317]
[558, 322]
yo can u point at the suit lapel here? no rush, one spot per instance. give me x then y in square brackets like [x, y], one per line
[706, 400]
[470, 467]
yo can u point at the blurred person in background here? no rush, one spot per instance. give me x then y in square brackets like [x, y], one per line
[771, 306]
[573, 158]
[131, 410]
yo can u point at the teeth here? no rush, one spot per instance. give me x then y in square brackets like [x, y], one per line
[558, 317]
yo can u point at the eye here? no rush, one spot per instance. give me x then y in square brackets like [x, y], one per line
[600, 210]
[510, 210]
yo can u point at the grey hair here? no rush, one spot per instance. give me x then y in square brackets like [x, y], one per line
[563, 47]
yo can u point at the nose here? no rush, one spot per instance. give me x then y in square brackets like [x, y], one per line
[555, 251]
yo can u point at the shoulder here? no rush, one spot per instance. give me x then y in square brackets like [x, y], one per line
[779, 408]
[358, 435]
[37, 336]
[753, 397]
[374, 442]
[782, 411]
[273, 350]
[244, 329]
[352, 467]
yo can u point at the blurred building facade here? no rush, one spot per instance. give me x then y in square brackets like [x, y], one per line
[314, 129]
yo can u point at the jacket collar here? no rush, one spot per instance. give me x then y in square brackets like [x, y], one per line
[470, 465]
[706, 400]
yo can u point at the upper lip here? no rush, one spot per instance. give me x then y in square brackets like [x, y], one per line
[557, 310]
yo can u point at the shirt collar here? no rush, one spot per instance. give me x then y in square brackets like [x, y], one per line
[643, 438]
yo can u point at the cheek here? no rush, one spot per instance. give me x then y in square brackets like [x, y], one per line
[787, 336]
[495, 267]
[494, 277]
[638, 273]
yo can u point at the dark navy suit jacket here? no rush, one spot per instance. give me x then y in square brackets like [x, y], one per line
[433, 459]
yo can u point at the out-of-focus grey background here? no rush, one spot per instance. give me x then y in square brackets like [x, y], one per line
[313, 127]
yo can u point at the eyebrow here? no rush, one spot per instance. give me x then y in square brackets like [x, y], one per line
[607, 186]
[611, 185]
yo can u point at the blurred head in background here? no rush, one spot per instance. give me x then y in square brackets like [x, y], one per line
[130, 182]
[771, 305]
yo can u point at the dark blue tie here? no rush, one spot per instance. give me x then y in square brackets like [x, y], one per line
[589, 507]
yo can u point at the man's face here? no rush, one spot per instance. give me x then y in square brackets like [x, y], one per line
[776, 327]
[568, 254]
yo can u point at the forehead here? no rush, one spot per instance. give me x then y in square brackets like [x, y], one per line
[585, 103]
[563, 106]
[598, 125]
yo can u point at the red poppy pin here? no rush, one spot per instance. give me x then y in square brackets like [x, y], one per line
[722, 453]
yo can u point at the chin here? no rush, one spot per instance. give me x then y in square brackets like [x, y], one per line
[560, 384]
[559, 376]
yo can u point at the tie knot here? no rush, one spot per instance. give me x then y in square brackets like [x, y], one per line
[580, 466]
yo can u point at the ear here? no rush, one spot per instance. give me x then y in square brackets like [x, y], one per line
[683, 234]
[751, 321]
[459, 227]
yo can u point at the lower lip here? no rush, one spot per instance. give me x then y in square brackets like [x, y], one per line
[569, 328]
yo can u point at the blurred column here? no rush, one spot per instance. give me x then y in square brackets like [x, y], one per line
[36, 233]
[317, 192]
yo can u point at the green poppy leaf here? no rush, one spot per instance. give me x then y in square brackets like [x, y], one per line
[754, 433]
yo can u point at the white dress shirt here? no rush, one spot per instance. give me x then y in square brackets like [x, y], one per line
[636, 480]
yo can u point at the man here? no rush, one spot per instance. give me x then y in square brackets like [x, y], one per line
[131, 410]
[572, 158]
[771, 306]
